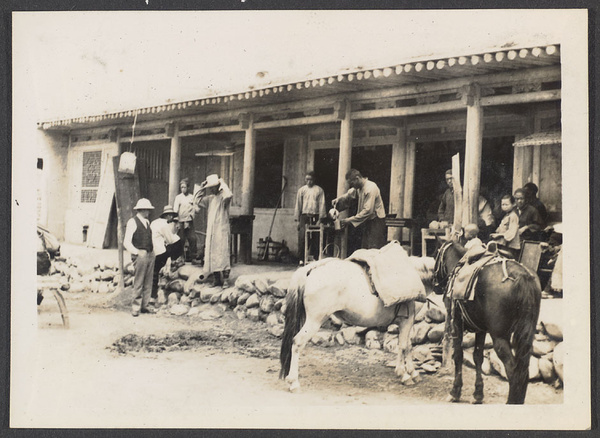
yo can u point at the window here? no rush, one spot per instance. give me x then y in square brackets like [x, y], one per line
[90, 176]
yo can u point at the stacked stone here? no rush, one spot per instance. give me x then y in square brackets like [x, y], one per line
[77, 278]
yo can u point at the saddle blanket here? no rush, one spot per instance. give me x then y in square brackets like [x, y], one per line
[464, 278]
[392, 274]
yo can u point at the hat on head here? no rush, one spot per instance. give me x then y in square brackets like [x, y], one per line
[212, 180]
[168, 210]
[143, 204]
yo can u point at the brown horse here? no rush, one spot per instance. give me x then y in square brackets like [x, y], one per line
[506, 305]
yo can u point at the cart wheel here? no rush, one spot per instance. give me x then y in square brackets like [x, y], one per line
[62, 307]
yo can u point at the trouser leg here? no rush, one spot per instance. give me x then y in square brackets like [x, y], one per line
[149, 271]
[159, 263]
[301, 236]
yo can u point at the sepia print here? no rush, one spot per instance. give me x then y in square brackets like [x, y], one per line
[301, 219]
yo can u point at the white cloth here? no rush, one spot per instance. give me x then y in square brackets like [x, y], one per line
[129, 230]
[475, 242]
[163, 234]
[216, 254]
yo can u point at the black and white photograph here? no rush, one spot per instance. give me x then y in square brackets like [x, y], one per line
[300, 219]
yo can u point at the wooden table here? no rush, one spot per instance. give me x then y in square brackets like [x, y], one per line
[241, 238]
[429, 234]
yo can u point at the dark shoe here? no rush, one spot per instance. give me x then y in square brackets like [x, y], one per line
[149, 310]
[135, 313]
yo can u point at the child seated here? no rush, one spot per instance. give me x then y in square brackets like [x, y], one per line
[471, 232]
[507, 233]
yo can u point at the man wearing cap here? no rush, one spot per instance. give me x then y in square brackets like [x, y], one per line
[446, 208]
[531, 191]
[370, 214]
[138, 241]
[310, 207]
[166, 242]
[184, 207]
[215, 196]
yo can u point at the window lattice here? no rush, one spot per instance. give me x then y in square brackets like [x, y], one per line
[90, 175]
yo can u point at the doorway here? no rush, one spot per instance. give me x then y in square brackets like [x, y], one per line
[373, 162]
[434, 158]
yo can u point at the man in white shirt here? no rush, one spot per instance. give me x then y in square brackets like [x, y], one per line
[370, 213]
[310, 207]
[166, 242]
[185, 209]
[138, 241]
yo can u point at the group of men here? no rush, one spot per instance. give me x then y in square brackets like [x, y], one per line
[151, 245]
[363, 193]
[524, 216]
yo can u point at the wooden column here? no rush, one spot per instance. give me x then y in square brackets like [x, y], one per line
[174, 161]
[536, 165]
[247, 122]
[115, 135]
[409, 178]
[397, 181]
[343, 111]
[473, 145]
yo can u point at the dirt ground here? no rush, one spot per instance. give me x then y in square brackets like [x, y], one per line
[112, 370]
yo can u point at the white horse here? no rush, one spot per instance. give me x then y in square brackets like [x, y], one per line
[342, 288]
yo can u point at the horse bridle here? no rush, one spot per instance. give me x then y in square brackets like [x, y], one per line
[440, 272]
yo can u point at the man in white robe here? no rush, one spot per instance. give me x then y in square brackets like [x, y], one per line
[215, 196]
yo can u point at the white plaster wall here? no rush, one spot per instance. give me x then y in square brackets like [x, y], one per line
[77, 213]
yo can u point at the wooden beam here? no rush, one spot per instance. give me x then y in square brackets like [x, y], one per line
[511, 99]
[302, 121]
[455, 105]
[211, 130]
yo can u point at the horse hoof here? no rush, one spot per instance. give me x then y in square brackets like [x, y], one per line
[452, 399]
[476, 402]
[416, 376]
[408, 382]
[295, 387]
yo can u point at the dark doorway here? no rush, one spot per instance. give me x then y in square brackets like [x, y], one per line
[434, 158]
[268, 177]
[374, 162]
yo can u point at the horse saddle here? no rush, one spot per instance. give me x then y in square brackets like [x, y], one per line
[391, 273]
[464, 277]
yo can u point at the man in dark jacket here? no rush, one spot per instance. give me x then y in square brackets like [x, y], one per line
[138, 241]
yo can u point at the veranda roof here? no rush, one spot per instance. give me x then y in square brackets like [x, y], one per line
[419, 71]
[539, 139]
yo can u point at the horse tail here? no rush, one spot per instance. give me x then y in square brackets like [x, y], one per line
[528, 309]
[295, 315]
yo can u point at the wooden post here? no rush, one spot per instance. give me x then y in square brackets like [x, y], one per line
[120, 224]
[174, 162]
[397, 181]
[473, 146]
[345, 162]
[409, 178]
[536, 165]
[247, 122]
[458, 193]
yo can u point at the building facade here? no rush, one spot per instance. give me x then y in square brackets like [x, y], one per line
[399, 125]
